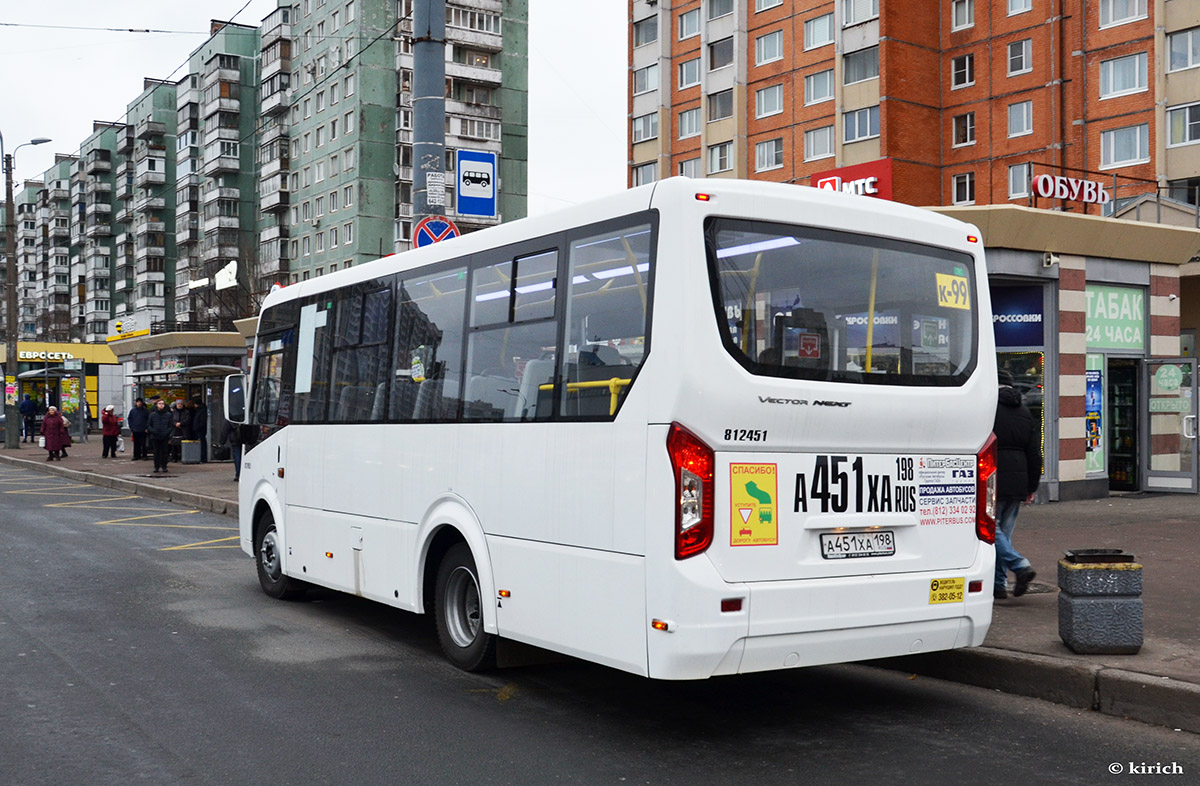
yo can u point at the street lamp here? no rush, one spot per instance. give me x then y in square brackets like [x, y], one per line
[12, 430]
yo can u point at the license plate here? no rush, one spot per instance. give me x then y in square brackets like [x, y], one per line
[848, 545]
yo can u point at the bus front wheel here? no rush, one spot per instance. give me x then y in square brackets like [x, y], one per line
[458, 612]
[270, 564]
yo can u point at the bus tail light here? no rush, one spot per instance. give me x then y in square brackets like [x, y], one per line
[694, 464]
[985, 491]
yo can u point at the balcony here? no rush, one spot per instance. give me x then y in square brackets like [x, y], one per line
[150, 226]
[220, 222]
[210, 253]
[123, 214]
[148, 252]
[211, 194]
[187, 236]
[276, 232]
[125, 140]
[150, 203]
[148, 128]
[277, 32]
[98, 161]
[279, 64]
[221, 105]
[218, 74]
[488, 76]
[150, 177]
[214, 166]
[272, 267]
[273, 130]
[274, 165]
[275, 201]
[276, 103]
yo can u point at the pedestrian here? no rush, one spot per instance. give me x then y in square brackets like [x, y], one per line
[200, 426]
[55, 434]
[1018, 472]
[183, 429]
[110, 431]
[237, 437]
[137, 428]
[160, 426]
[29, 418]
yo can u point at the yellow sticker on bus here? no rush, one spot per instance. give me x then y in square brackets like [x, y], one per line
[953, 291]
[754, 495]
[947, 590]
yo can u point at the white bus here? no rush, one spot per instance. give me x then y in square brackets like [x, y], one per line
[701, 427]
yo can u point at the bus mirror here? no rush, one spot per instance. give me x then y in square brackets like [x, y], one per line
[235, 398]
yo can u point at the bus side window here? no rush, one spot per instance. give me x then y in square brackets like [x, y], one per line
[609, 278]
[426, 362]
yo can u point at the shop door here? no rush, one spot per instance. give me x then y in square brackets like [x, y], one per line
[1170, 415]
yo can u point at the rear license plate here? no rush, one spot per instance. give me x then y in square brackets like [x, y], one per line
[848, 545]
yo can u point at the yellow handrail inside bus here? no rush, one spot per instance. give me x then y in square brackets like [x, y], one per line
[871, 310]
[614, 386]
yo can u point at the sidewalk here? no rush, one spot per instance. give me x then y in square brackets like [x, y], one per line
[1023, 653]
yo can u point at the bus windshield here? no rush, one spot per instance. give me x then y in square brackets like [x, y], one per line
[808, 303]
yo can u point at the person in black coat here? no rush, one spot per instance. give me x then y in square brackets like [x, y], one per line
[136, 420]
[1018, 472]
[160, 426]
[200, 426]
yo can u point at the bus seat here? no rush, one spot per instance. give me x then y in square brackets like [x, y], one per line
[379, 405]
[355, 402]
[537, 373]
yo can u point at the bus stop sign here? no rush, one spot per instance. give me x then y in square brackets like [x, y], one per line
[434, 229]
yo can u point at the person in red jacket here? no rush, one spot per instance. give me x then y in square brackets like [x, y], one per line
[110, 430]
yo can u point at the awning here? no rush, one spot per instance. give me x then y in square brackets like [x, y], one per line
[58, 372]
[188, 373]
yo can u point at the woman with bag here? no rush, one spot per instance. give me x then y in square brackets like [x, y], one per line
[54, 435]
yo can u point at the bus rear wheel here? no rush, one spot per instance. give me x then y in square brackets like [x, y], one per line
[270, 563]
[458, 613]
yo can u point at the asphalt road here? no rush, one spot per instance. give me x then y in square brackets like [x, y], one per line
[136, 646]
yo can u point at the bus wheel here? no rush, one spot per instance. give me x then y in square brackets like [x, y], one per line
[458, 612]
[270, 564]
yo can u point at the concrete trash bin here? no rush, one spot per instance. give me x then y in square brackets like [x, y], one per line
[1100, 603]
[190, 453]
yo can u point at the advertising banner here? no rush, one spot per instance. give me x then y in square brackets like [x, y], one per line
[1017, 316]
[1093, 414]
[1116, 317]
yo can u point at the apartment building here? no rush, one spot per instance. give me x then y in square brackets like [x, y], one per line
[935, 102]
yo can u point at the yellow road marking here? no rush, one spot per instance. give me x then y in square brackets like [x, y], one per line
[206, 544]
[85, 502]
[128, 522]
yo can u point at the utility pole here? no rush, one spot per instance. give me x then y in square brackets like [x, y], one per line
[429, 108]
[12, 430]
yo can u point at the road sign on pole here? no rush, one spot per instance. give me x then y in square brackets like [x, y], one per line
[433, 229]
[476, 184]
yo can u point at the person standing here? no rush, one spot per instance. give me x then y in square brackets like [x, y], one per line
[160, 426]
[55, 433]
[137, 428]
[200, 426]
[29, 418]
[110, 431]
[238, 437]
[1018, 472]
[182, 429]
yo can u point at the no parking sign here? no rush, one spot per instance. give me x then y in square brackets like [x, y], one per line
[433, 229]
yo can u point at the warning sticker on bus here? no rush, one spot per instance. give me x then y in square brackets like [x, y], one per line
[947, 590]
[754, 499]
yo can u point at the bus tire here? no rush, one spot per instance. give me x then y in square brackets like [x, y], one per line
[270, 564]
[458, 613]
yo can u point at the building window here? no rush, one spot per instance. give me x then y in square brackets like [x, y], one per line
[1018, 181]
[768, 48]
[1183, 125]
[861, 65]
[689, 24]
[690, 168]
[717, 8]
[720, 54]
[1020, 118]
[645, 173]
[818, 31]
[964, 189]
[962, 71]
[1184, 49]
[720, 157]
[1118, 12]
[763, 5]
[768, 101]
[348, 88]
[962, 14]
[1125, 146]
[1020, 57]
[768, 155]
[645, 127]
[818, 143]
[347, 237]
[689, 73]
[645, 79]
[645, 31]
[689, 123]
[1019, 6]
[347, 196]
[818, 87]
[861, 124]
[348, 123]
[720, 105]
[964, 129]
[855, 11]
[1123, 75]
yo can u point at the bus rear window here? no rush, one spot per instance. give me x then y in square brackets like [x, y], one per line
[809, 303]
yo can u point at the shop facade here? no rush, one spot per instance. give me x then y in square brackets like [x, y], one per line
[68, 376]
[1086, 315]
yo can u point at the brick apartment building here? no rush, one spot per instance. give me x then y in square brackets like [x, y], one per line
[946, 101]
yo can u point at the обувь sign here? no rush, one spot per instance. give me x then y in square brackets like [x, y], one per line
[1058, 187]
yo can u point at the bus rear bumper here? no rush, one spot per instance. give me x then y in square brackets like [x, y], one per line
[789, 624]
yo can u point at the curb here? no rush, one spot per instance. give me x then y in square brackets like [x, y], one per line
[1126, 694]
[190, 499]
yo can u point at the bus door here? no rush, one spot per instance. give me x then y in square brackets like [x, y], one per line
[1170, 440]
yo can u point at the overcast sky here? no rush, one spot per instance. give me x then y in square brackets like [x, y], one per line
[57, 81]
